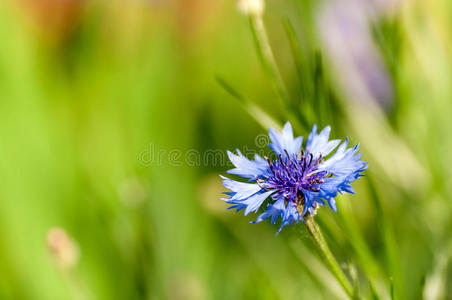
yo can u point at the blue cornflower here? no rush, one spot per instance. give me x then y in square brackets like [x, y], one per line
[297, 181]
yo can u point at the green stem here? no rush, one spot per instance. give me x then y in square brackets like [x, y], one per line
[267, 57]
[319, 241]
[270, 66]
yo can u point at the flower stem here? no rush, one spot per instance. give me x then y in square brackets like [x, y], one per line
[270, 66]
[319, 241]
[266, 55]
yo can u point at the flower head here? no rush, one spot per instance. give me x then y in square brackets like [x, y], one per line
[298, 180]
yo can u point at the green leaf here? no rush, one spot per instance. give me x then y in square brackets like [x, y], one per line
[389, 243]
[373, 292]
[262, 118]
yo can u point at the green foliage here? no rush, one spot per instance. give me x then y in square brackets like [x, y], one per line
[94, 98]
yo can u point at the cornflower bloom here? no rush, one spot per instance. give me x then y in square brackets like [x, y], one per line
[298, 180]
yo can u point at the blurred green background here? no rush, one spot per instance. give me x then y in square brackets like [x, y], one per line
[92, 93]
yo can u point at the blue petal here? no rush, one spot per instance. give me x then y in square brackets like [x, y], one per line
[241, 190]
[254, 202]
[290, 215]
[248, 196]
[250, 204]
[274, 211]
[238, 206]
[345, 167]
[285, 141]
[244, 167]
[319, 144]
[344, 162]
[312, 199]
[332, 204]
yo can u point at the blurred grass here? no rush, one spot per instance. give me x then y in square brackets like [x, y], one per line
[86, 88]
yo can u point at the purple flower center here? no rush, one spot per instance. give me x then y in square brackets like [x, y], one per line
[290, 176]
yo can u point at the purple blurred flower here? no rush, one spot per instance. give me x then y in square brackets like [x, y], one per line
[345, 31]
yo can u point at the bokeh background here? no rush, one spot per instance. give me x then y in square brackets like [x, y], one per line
[107, 111]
